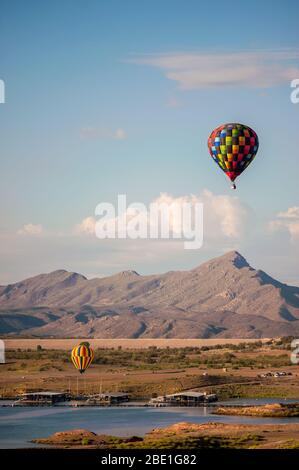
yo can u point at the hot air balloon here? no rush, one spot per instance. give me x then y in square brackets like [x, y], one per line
[82, 356]
[233, 147]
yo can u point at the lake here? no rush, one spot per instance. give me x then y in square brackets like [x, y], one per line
[19, 425]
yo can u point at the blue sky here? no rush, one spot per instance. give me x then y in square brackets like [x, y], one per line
[108, 97]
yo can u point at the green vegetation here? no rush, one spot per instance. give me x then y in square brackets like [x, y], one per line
[275, 410]
[290, 444]
[174, 441]
[230, 370]
[153, 358]
[254, 390]
[186, 436]
[191, 442]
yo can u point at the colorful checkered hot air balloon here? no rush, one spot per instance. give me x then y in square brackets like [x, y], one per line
[82, 356]
[233, 147]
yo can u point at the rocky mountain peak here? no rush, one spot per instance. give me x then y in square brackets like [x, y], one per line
[128, 273]
[223, 297]
[236, 258]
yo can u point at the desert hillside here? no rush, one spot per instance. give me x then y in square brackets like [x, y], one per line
[224, 297]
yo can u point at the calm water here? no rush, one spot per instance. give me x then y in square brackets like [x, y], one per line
[19, 425]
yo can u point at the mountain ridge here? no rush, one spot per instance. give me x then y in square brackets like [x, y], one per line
[222, 297]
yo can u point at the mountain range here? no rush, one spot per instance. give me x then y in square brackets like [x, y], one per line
[224, 297]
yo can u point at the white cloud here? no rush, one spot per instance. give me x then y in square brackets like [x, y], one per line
[258, 69]
[225, 216]
[86, 227]
[228, 224]
[94, 133]
[31, 229]
[290, 213]
[287, 221]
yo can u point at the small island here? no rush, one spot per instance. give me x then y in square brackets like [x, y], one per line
[185, 436]
[275, 410]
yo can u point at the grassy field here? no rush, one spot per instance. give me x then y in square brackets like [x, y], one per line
[230, 369]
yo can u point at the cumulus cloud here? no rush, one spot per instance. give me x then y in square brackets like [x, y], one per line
[86, 227]
[224, 215]
[258, 69]
[96, 133]
[290, 213]
[31, 229]
[225, 218]
[287, 221]
[228, 224]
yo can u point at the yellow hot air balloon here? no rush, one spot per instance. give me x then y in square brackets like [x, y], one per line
[82, 356]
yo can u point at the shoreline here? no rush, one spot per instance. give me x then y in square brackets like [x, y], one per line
[125, 422]
[183, 435]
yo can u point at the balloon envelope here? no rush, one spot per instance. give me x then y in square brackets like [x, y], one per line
[233, 146]
[82, 356]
